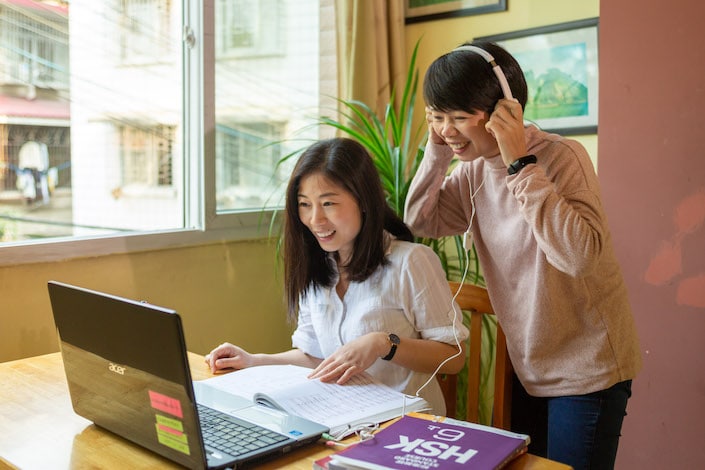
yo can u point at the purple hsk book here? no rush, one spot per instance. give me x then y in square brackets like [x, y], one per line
[416, 443]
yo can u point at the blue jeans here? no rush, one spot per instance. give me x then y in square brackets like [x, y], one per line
[579, 430]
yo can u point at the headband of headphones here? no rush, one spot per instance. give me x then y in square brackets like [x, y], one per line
[495, 67]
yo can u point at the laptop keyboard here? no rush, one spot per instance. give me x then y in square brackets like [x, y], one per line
[234, 437]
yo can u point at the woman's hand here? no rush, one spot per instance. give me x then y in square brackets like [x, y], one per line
[228, 356]
[506, 124]
[351, 358]
[432, 134]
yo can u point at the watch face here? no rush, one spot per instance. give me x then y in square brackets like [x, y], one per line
[394, 338]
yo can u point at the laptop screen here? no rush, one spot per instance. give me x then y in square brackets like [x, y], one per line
[127, 370]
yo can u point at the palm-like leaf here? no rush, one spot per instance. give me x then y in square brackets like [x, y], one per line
[394, 144]
[397, 148]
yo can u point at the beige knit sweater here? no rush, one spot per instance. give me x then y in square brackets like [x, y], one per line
[545, 250]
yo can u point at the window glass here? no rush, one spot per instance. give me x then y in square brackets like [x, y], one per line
[251, 28]
[145, 33]
[268, 88]
[90, 118]
[94, 137]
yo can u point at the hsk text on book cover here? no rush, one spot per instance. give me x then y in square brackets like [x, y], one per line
[415, 443]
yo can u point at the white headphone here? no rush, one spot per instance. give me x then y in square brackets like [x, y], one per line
[495, 67]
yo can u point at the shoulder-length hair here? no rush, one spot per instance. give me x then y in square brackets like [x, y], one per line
[346, 163]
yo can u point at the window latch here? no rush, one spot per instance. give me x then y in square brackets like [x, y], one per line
[189, 37]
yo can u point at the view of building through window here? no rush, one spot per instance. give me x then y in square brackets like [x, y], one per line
[92, 120]
[267, 90]
[35, 138]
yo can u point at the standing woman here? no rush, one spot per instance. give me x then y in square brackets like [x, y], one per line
[366, 298]
[532, 203]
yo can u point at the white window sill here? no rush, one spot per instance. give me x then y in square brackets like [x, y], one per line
[251, 227]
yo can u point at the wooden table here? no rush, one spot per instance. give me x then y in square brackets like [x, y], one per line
[39, 430]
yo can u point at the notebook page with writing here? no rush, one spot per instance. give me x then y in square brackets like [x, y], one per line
[340, 407]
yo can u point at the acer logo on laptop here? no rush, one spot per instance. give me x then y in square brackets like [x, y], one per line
[118, 369]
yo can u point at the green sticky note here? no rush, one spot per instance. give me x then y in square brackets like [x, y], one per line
[173, 438]
[170, 422]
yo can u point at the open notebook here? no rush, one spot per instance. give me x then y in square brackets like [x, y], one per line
[361, 401]
[127, 370]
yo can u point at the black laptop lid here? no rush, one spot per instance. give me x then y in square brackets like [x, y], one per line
[127, 370]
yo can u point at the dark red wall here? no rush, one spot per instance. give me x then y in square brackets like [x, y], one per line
[652, 169]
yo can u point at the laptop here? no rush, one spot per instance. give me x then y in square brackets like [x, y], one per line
[127, 370]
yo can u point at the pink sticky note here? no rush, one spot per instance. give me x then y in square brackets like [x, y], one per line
[166, 404]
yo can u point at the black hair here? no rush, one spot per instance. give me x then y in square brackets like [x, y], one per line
[464, 80]
[347, 163]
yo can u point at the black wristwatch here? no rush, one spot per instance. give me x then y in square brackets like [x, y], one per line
[394, 341]
[520, 163]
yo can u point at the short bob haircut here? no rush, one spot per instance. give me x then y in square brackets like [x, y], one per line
[346, 163]
[463, 80]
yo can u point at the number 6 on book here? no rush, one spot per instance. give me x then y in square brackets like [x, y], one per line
[451, 435]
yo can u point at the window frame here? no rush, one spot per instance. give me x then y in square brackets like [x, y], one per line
[203, 223]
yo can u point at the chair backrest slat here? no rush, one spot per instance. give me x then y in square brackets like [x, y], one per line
[475, 300]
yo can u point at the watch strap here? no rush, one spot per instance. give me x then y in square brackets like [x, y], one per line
[520, 163]
[394, 342]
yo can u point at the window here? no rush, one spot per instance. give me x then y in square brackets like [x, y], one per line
[146, 156]
[121, 94]
[34, 48]
[144, 30]
[263, 103]
[246, 162]
[250, 28]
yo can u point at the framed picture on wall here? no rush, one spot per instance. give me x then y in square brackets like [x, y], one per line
[560, 65]
[416, 11]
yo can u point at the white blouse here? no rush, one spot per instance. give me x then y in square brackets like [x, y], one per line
[409, 297]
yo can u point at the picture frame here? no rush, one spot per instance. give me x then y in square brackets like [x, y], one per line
[560, 63]
[416, 11]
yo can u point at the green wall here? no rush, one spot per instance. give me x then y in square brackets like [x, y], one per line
[226, 291]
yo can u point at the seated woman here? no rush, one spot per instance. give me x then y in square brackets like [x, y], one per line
[366, 298]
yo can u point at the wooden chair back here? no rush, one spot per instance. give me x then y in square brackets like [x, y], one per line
[475, 300]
